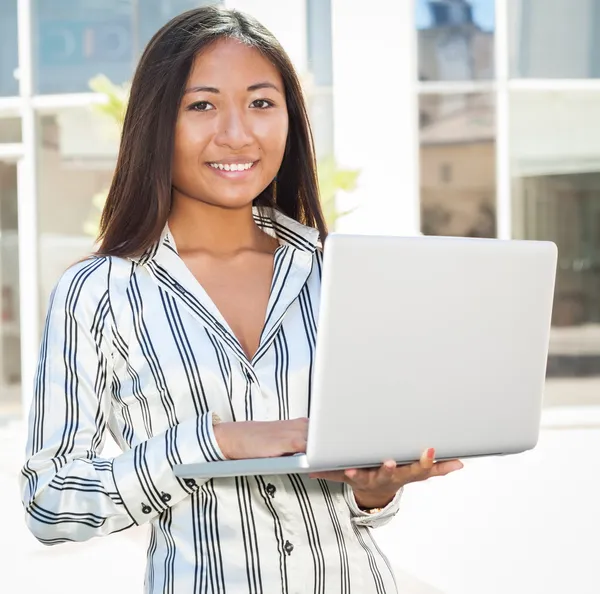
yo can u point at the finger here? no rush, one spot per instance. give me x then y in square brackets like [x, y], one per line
[444, 468]
[301, 425]
[427, 459]
[372, 477]
[389, 466]
[359, 478]
[384, 476]
[386, 473]
[297, 443]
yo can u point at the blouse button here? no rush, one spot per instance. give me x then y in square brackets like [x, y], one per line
[288, 547]
[191, 483]
[146, 509]
[165, 497]
[271, 489]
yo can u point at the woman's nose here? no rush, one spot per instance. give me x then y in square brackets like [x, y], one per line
[233, 130]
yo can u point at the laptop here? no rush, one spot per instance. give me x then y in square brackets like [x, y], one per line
[423, 342]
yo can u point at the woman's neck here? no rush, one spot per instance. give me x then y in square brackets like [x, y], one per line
[200, 227]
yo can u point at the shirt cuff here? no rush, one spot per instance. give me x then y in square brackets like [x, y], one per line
[144, 475]
[377, 519]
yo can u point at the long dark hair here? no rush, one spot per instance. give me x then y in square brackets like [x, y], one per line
[139, 199]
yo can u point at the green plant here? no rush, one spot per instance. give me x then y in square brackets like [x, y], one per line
[331, 178]
[114, 98]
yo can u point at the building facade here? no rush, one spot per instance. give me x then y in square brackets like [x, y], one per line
[471, 118]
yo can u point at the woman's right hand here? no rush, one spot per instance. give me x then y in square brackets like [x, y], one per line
[261, 439]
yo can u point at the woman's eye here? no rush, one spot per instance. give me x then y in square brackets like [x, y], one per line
[262, 104]
[201, 106]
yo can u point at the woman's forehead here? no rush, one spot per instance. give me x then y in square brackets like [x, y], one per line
[231, 63]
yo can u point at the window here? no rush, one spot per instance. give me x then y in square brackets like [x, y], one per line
[555, 163]
[554, 38]
[75, 41]
[9, 54]
[457, 138]
[455, 39]
[10, 335]
[74, 173]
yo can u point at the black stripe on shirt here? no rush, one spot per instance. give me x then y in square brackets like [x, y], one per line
[383, 556]
[70, 361]
[249, 536]
[47, 516]
[198, 308]
[310, 330]
[150, 356]
[210, 536]
[292, 237]
[186, 353]
[164, 524]
[145, 480]
[225, 369]
[339, 537]
[377, 578]
[278, 532]
[312, 532]
[152, 550]
[282, 367]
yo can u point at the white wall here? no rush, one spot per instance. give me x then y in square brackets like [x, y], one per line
[375, 111]
[286, 19]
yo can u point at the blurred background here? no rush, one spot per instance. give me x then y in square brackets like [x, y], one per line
[441, 117]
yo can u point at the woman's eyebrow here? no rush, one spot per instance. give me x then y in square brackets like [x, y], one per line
[201, 89]
[254, 87]
[264, 85]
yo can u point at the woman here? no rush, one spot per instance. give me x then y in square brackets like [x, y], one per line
[190, 336]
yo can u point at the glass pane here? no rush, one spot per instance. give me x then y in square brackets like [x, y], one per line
[153, 14]
[10, 130]
[554, 38]
[318, 84]
[75, 41]
[75, 171]
[555, 161]
[10, 344]
[455, 39]
[458, 165]
[9, 54]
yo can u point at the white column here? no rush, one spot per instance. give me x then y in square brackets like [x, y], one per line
[375, 113]
[27, 204]
[285, 19]
[503, 175]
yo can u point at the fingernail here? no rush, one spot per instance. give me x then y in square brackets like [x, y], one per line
[350, 473]
[431, 453]
[390, 464]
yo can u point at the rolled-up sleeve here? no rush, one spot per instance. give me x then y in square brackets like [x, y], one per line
[372, 520]
[69, 492]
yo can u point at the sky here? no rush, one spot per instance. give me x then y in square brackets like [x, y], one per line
[483, 13]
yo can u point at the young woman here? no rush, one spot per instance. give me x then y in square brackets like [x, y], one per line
[190, 337]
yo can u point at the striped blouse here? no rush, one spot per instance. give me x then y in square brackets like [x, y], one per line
[136, 347]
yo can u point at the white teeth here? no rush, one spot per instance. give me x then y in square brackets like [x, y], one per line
[232, 166]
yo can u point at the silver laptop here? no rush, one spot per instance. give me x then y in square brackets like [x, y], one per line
[423, 342]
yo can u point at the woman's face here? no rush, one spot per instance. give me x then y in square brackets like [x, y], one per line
[232, 127]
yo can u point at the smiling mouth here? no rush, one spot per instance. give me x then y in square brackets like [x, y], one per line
[232, 166]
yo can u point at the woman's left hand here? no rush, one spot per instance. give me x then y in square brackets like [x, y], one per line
[376, 487]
